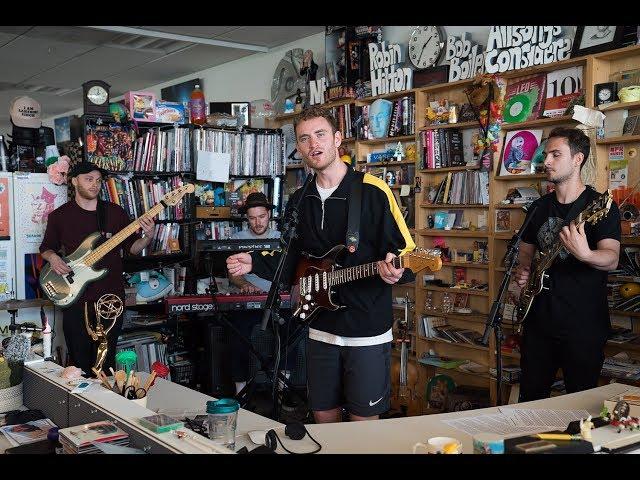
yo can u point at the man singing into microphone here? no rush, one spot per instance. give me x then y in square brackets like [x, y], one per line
[568, 324]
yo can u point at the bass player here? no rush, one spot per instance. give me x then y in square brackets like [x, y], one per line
[67, 227]
[568, 323]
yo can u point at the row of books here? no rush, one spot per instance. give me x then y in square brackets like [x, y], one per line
[166, 239]
[442, 148]
[343, 115]
[437, 327]
[251, 153]
[147, 346]
[162, 151]
[621, 366]
[469, 187]
[399, 120]
[137, 196]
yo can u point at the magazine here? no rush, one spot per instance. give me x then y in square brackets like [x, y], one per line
[29, 432]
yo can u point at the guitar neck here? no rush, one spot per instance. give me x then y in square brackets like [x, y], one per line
[119, 237]
[556, 248]
[349, 274]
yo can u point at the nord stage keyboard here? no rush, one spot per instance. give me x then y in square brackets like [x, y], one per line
[237, 245]
[221, 303]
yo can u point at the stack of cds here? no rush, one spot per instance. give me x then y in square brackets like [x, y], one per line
[82, 438]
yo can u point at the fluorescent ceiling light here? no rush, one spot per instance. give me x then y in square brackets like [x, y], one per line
[182, 38]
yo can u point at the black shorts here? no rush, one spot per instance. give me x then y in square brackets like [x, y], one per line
[358, 378]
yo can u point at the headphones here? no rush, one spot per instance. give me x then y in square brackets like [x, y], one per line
[295, 431]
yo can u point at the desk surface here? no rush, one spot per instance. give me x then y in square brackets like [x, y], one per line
[168, 397]
[396, 435]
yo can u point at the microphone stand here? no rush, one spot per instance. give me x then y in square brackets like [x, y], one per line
[272, 304]
[494, 320]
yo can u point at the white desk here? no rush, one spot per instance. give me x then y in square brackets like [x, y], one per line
[98, 403]
[398, 435]
[382, 436]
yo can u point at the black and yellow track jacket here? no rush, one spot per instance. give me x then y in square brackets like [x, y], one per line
[322, 226]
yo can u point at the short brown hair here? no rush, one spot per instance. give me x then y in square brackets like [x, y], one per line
[577, 140]
[315, 112]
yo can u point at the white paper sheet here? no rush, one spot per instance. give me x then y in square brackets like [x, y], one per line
[213, 166]
[494, 423]
[558, 419]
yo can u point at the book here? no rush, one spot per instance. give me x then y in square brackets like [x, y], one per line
[80, 439]
[524, 99]
[562, 86]
[442, 362]
[29, 432]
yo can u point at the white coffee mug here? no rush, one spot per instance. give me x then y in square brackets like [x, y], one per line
[440, 445]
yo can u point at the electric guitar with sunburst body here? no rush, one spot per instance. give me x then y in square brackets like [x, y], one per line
[64, 290]
[543, 260]
[315, 276]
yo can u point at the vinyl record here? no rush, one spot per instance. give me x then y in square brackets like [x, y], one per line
[517, 109]
[287, 80]
[519, 150]
[291, 154]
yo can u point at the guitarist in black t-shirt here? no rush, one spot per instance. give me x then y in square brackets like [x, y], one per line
[568, 323]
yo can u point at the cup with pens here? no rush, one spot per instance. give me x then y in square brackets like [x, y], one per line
[129, 385]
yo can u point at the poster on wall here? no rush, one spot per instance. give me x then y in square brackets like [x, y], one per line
[39, 197]
[7, 270]
[5, 206]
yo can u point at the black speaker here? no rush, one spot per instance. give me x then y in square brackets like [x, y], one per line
[294, 431]
[218, 363]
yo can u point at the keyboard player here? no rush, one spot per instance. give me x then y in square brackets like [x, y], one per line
[258, 211]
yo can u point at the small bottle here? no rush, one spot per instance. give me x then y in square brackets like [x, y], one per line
[447, 303]
[428, 302]
[197, 107]
[4, 155]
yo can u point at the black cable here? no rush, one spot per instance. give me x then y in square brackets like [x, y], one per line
[299, 453]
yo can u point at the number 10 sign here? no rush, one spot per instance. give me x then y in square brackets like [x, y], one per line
[562, 86]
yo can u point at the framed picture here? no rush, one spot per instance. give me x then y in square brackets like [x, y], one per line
[631, 125]
[518, 151]
[180, 92]
[242, 109]
[62, 129]
[593, 39]
[503, 221]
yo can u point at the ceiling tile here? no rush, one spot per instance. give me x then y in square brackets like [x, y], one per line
[14, 29]
[269, 36]
[25, 57]
[97, 64]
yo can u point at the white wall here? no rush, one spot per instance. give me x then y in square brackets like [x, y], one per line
[246, 79]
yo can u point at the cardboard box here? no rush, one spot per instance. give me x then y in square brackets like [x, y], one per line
[213, 212]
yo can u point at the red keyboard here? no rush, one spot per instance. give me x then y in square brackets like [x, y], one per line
[220, 303]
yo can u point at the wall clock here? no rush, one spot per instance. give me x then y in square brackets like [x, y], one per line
[426, 45]
[605, 93]
[96, 97]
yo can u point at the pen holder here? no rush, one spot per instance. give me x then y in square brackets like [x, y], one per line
[141, 401]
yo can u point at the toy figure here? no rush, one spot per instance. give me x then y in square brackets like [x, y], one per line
[585, 428]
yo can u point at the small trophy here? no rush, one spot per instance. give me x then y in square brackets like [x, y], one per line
[108, 307]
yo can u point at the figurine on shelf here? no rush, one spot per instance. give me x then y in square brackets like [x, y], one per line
[399, 152]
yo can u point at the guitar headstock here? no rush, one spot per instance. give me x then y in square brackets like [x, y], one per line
[174, 196]
[422, 258]
[597, 209]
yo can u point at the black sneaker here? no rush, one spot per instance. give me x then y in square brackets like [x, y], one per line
[289, 401]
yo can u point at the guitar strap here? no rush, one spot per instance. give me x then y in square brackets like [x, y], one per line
[355, 204]
[101, 212]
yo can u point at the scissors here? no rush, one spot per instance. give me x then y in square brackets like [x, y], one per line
[132, 393]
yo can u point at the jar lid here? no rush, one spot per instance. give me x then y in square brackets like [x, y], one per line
[224, 405]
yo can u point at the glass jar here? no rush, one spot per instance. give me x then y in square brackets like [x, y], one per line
[447, 303]
[222, 421]
[428, 302]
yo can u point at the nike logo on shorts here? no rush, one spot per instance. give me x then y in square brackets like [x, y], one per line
[371, 404]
